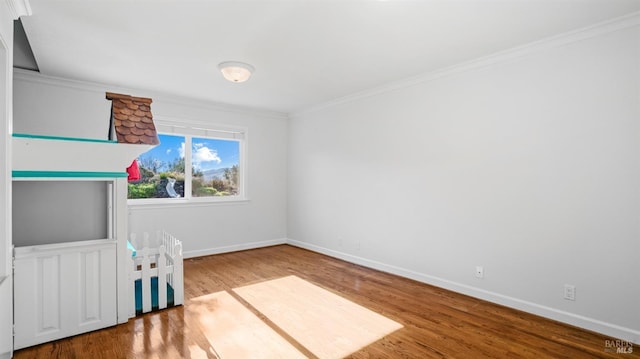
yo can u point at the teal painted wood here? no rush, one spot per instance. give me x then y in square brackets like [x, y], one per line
[132, 248]
[60, 138]
[67, 174]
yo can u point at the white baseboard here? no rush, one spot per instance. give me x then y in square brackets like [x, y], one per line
[609, 329]
[233, 248]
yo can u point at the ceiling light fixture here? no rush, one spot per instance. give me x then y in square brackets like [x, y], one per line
[235, 71]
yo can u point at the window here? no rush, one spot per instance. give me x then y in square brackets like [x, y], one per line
[214, 158]
[161, 170]
[215, 167]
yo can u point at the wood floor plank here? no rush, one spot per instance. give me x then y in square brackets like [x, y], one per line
[436, 323]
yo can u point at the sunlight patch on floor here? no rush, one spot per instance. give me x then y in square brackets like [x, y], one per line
[326, 324]
[233, 331]
[196, 352]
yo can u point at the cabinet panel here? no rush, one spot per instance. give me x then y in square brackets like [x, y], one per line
[89, 287]
[47, 296]
[63, 290]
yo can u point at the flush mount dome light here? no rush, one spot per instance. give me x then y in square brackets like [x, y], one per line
[236, 71]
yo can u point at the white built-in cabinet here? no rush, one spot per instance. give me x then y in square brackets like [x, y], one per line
[65, 258]
[63, 289]
[69, 233]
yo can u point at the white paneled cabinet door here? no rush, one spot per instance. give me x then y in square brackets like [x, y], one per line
[63, 289]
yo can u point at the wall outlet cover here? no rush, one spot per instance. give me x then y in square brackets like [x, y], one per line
[569, 292]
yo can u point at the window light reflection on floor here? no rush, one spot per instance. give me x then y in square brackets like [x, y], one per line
[320, 321]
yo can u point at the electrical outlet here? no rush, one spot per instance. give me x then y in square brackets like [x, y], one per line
[479, 272]
[569, 292]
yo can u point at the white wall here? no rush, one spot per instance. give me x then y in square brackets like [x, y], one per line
[50, 106]
[527, 163]
[6, 61]
[66, 211]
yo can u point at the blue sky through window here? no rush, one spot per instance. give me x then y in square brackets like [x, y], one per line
[207, 153]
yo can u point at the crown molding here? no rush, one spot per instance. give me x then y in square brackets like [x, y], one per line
[36, 77]
[19, 8]
[616, 24]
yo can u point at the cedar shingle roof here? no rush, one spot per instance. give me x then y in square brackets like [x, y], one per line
[132, 120]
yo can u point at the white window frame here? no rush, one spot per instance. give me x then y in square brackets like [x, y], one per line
[210, 131]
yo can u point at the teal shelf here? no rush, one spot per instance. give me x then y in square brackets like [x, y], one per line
[67, 174]
[60, 138]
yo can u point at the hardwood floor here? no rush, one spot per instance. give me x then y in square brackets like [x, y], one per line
[437, 323]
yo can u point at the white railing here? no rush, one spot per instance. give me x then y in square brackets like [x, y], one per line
[163, 262]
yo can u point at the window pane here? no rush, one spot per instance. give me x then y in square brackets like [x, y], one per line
[215, 167]
[161, 170]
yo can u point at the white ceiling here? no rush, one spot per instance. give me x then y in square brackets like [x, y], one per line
[305, 52]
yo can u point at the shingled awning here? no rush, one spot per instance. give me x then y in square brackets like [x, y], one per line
[131, 120]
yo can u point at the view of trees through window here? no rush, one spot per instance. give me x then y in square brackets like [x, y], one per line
[214, 168]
